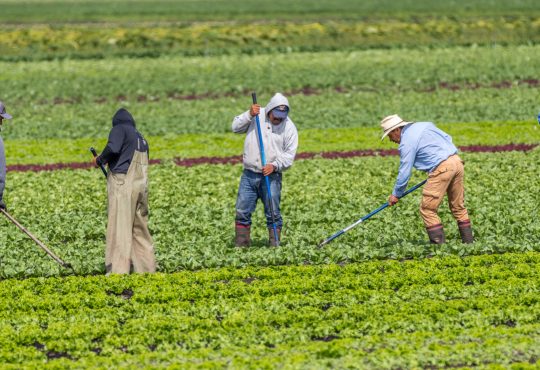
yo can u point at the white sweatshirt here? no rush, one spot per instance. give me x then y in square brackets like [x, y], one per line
[280, 141]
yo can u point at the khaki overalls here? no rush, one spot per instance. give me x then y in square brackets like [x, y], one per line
[128, 238]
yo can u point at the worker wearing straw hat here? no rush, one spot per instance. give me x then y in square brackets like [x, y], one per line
[427, 148]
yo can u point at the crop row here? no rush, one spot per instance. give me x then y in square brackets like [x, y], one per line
[91, 41]
[169, 118]
[222, 145]
[236, 159]
[123, 11]
[385, 71]
[442, 312]
[192, 215]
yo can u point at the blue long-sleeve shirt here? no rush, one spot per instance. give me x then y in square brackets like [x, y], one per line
[423, 146]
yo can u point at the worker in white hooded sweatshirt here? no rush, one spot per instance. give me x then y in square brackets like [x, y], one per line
[280, 140]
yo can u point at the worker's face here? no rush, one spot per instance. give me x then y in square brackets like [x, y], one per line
[273, 119]
[395, 135]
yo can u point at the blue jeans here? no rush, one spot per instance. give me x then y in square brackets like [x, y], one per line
[252, 188]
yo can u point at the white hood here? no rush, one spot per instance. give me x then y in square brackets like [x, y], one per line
[277, 100]
[280, 141]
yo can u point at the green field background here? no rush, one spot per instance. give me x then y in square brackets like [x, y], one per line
[378, 297]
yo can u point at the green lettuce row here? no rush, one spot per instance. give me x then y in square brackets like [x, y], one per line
[170, 118]
[192, 215]
[387, 71]
[102, 41]
[24, 152]
[441, 312]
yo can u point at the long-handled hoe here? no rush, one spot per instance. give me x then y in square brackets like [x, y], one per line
[266, 180]
[341, 232]
[38, 242]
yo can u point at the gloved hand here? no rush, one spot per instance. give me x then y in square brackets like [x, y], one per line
[2, 204]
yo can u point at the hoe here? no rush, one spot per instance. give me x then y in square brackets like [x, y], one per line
[38, 242]
[341, 232]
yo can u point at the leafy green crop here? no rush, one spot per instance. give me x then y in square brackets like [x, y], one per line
[442, 312]
[227, 145]
[385, 71]
[211, 120]
[192, 215]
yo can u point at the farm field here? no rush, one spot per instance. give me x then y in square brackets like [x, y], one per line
[378, 297]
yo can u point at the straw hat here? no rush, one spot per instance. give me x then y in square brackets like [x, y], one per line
[392, 122]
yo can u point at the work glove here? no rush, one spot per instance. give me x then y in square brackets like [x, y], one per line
[2, 204]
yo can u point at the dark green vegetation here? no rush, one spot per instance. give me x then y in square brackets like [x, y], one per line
[446, 312]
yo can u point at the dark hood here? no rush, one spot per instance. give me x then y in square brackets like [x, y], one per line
[123, 117]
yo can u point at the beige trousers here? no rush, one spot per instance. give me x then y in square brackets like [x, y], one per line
[447, 178]
[128, 239]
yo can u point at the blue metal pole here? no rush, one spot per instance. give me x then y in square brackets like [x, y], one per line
[341, 232]
[266, 179]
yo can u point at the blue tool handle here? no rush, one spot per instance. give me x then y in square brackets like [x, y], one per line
[375, 212]
[263, 162]
[259, 133]
[385, 205]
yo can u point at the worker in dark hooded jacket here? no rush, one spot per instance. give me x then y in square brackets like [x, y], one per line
[128, 238]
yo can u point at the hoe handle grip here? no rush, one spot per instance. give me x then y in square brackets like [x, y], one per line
[254, 97]
[100, 166]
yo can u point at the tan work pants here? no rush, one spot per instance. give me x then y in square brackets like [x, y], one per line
[128, 238]
[446, 178]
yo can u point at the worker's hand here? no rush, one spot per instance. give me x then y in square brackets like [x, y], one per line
[94, 162]
[254, 110]
[268, 169]
[392, 199]
[2, 204]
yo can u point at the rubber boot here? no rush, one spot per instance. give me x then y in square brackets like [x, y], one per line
[436, 234]
[243, 238]
[465, 230]
[272, 239]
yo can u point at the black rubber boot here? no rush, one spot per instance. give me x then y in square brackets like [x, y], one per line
[465, 230]
[436, 234]
[243, 238]
[272, 239]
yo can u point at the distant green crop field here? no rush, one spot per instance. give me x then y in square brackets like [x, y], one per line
[388, 71]
[97, 41]
[176, 95]
[49, 30]
[21, 11]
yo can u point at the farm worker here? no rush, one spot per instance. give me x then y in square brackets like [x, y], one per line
[280, 140]
[128, 238]
[425, 147]
[3, 115]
